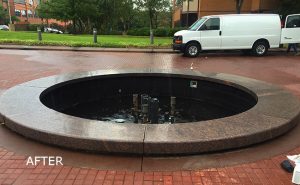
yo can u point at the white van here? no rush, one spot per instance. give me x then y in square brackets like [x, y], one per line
[247, 32]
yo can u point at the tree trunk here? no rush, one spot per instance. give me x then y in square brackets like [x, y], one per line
[74, 26]
[188, 12]
[151, 19]
[156, 21]
[239, 4]
[80, 23]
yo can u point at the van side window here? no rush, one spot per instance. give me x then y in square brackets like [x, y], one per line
[211, 24]
[293, 21]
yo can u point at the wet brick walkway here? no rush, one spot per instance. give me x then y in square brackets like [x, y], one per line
[13, 170]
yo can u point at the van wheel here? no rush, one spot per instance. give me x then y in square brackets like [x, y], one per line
[260, 48]
[192, 50]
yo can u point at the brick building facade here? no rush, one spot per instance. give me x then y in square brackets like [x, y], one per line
[26, 11]
[198, 8]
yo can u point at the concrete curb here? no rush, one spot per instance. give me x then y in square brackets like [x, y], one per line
[87, 49]
[97, 49]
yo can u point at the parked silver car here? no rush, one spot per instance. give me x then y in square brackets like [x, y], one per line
[52, 30]
[4, 27]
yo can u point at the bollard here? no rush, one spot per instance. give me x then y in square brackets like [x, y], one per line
[95, 35]
[39, 34]
[151, 37]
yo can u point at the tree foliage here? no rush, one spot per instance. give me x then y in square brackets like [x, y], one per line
[3, 14]
[153, 7]
[105, 15]
[4, 17]
[81, 13]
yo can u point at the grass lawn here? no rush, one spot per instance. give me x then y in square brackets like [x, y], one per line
[52, 39]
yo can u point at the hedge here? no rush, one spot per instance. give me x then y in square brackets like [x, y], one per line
[158, 32]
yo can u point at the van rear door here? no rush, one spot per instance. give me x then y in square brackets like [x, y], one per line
[210, 34]
[291, 32]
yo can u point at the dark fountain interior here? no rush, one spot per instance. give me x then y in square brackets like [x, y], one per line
[111, 98]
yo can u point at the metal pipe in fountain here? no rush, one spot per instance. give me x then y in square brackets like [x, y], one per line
[153, 110]
[135, 100]
[173, 108]
[145, 107]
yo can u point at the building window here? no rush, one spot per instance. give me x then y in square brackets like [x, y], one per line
[29, 12]
[19, 1]
[23, 12]
[18, 12]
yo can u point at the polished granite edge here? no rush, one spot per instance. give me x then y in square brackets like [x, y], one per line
[77, 143]
[16, 118]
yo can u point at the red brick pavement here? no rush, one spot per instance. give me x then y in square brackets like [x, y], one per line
[13, 170]
[21, 66]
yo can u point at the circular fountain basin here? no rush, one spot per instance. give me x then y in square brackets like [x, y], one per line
[221, 111]
[110, 97]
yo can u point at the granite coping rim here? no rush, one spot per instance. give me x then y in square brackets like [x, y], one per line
[242, 83]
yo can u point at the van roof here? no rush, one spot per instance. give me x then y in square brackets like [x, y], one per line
[234, 15]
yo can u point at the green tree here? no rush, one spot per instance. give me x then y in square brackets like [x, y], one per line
[3, 14]
[13, 19]
[105, 15]
[80, 12]
[56, 9]
[153, 7]
[126, 13]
